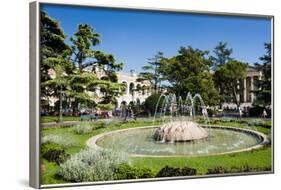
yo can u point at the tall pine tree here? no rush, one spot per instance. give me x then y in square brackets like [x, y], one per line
[263, 92]
[221, 56]
[152, 73]
[91, 64]
[54, 56]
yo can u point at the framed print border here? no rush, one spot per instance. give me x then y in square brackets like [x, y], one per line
[34, 120]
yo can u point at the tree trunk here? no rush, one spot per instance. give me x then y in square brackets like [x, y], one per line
[74, 108]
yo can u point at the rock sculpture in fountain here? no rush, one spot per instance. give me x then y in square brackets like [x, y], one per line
[180, 131]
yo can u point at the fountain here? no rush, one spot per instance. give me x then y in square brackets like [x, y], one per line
[182, 130]
[178, 133]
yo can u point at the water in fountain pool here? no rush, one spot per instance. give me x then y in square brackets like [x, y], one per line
[141, 142]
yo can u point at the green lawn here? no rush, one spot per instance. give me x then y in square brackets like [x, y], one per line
[256, 159]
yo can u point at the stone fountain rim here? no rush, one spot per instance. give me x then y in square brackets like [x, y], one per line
[92, 142]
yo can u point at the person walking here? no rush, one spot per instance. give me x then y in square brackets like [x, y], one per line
[264, 113]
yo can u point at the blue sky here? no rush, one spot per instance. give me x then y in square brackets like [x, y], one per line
[133, 36]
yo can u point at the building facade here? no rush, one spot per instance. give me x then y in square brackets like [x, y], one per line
[247, 97]
[135, 91]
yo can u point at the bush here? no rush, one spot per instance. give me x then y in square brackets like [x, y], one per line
[172, 172]
[90, 165]
[109, 124]
[256, 122]
[83, 128]
[64, 141]
[188, 171]
[125, 171]
[260, 122]
[241, 169]
[54, 153]
[218, 170]
[212, 112]
[151, 103]
[145, 173]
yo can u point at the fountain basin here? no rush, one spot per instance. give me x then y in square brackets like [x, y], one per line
[139, 142]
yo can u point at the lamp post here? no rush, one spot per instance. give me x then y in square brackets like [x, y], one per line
[60, 111]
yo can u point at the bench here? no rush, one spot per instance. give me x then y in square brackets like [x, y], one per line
[88, 117]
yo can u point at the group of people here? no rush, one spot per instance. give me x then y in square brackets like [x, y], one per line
[128, 112]
[94, 114]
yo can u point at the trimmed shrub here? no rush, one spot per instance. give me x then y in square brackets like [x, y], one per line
[241, 169]
[218, 170]
[90, 165]
[168, 172]
[54, 153]
[256, 122]
[172, 172]
[145, 173]
[83, 128]
[260, 122]
[150, 103]
[110, 124]
[64, 141]
[188, 171]
[125, 171]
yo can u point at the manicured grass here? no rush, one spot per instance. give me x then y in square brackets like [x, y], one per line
[49, 171]
[47, 119]
[81, 139]
[256, 159]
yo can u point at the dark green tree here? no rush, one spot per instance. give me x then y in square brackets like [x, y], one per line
[86, 56]
[263, 92]
[91, 63]
[110, 89]
[189, 72]
[74, 73]
[151, 72]
[58, 84]
[54, 55]
[82, 90]
[222, 55]
[150, 103]
[227, 79]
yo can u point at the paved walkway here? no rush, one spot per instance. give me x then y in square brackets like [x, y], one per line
[55, 124]
[68, 123]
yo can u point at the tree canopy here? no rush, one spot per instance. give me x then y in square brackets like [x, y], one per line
[152, 72]
[189, 72]
[221, 56]
[228, 79]
[54, 56]
[76, 70]
[263, 92]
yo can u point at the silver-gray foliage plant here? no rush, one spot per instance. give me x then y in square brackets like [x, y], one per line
[90, 165]
[83, 128]
[62, 140]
